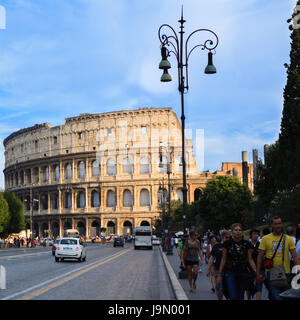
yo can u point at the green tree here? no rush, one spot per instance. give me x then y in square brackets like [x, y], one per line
[16, 213]
[4, 214]
[286, 204]
[289, 137]
[225, 201]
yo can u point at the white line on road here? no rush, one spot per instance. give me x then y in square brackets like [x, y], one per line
[57, 278]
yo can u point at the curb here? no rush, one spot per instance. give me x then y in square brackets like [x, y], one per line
[177, 288]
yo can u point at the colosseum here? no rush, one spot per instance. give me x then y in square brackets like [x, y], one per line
[106, 170]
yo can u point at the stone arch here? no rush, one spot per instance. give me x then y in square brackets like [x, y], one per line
[36, 232]
[95, 228]
[179, 194]
[68, 171]
[127, 198]
[144, 198]
[111, 199]
[81, 171]
[81, 228]
[67, 225]
[80, 199]
[95, 168]
[111, 227]
[127, 166]
[111, 167]
[145, 223]
[45, 230]
[127, 228]
[162, 195]
[55, 229]
[197, 194]
[95, 198]
[144, 165]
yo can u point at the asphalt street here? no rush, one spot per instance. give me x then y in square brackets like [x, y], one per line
[109, 273]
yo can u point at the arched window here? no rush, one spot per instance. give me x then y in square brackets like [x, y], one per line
[164, 163]
[145, 223]
[179, 194]
[127, 166]
[162, 196]
[111, 167]
[57, 173]
[111, 199]
[144, 198]
[178, 164]
[68, 171]
[197, 194]
[95, 199]
[144, 165]
[95, 168]
[127, 199]
[80, 199]
[81, 170]
[44, 200]
[68, 200]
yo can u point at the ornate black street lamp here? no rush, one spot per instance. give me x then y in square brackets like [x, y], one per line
[171, 43]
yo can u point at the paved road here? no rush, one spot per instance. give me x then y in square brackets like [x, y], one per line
[108, 273]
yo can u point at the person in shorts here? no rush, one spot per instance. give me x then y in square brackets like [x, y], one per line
[191, 252]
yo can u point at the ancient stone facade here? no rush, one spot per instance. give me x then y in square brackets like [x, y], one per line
[99, 170]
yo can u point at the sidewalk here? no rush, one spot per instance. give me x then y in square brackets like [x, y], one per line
[203, 291]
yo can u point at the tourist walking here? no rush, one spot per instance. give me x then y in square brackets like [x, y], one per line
[236, 264]
[215, 261]
[212, 242]
[190, 254]
[254, 241]
[273, 254]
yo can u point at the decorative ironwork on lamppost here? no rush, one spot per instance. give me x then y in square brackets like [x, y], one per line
[171, 43]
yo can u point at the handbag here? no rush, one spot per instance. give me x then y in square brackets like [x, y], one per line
[278, 277]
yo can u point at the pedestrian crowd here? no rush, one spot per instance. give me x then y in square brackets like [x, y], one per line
[16, 242]
[239, 268]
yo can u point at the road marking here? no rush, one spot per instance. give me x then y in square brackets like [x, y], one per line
[24, 255]
[57, 281]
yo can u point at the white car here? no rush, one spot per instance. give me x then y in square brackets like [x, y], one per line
[70, 248]
[155, 241]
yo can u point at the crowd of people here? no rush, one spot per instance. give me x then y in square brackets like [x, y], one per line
[17, 242]
[239, 268]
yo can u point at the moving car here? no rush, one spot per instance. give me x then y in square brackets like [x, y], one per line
[47, 242]
[70, 248]
[155, 241]
[118, 242]
[54, 245]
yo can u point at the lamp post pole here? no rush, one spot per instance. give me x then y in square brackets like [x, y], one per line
[182, 53]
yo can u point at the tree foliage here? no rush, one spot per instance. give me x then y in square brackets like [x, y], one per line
[224, 201]
[4, 213]
[281, 172]
[16, 213]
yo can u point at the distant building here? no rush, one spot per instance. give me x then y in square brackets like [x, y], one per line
[236, 169]
[101, 170]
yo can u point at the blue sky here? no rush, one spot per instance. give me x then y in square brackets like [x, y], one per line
[60, 58]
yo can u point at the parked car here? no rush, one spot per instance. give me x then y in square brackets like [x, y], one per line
[47, 242]
[118, 242]
[70, 248]
[55, 244]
